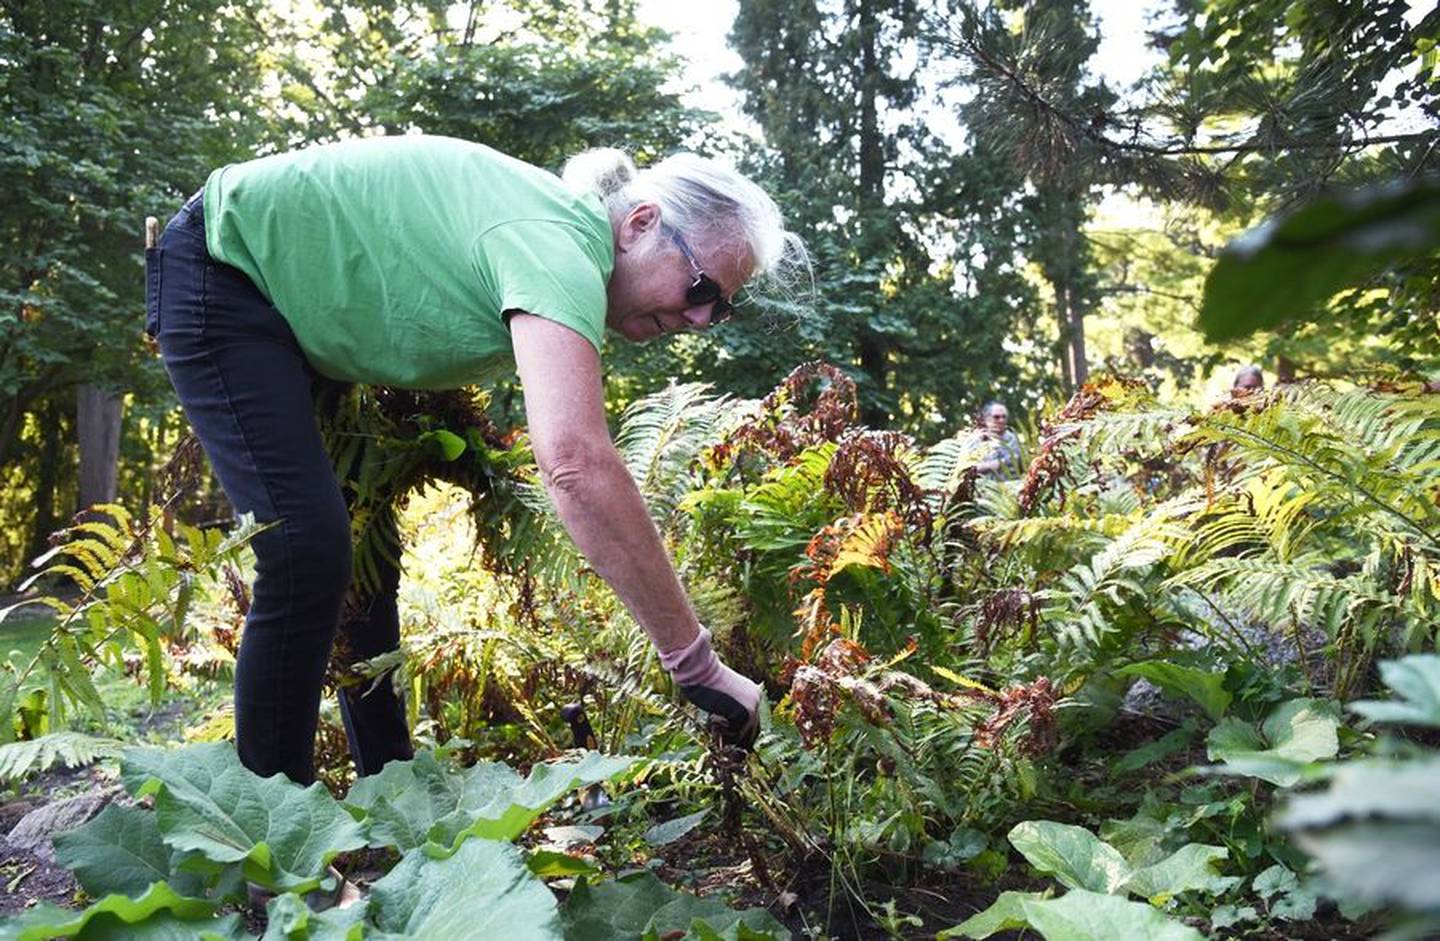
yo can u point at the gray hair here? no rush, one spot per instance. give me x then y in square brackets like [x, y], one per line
[707, 201]
[1245, 372]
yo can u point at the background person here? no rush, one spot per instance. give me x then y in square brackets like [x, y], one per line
[1247, 380]
[431, 263]
[1005, 459]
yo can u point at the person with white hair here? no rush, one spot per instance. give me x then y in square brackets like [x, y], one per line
[1005, 460]
[431, 263]
[1247, 379]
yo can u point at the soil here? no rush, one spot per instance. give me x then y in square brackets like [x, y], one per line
[26, 879]
[801, 896]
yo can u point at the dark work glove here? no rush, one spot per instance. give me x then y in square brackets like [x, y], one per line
[716, 688]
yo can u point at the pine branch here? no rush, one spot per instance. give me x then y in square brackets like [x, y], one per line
[1088, 128]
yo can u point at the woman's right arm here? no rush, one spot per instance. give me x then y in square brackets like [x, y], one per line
[603, 511]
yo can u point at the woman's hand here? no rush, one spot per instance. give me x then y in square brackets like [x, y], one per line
[716, 688]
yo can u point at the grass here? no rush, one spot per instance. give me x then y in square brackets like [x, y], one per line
[22, 634]
[126, 699]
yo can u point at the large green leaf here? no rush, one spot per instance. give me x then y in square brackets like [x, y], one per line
[1295, 734]
[1190, 868]
[641, 906]
[1140, 838]
[672, 830]
[1288, 268]
[121, 851]
[1089, 916]
[1370, 788]
[1172, 742]
[206, 801]
[1007, 913]
[481, 890]
[166, 927]
[116, 916]
[1375, 832]
[1207, 689]
[1417, 680]
[1073, 855]
[1382, 862]
[288, 918]
[412, 803]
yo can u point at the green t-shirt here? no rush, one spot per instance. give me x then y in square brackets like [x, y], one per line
[394, 259]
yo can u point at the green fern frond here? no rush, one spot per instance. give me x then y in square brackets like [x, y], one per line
[1265, 512]
[661, 435]
[719, 603]
[1011, 532]
[1396, 504]
[1379, 422]
[19, 760]
[1298, 591]
[943, 467]
[1146, 433]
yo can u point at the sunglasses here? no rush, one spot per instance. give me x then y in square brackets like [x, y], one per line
[703, 290]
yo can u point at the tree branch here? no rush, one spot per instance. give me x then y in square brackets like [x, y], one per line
[1087, 130]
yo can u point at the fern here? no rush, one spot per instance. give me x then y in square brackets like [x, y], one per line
[661, 436]
[1299, 592]
[19, 760]
[943, 467]
[138, 582]
[1317, 454]
[1146, 433]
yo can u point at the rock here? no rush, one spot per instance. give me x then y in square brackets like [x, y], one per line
[35, 829]
[1144, 698]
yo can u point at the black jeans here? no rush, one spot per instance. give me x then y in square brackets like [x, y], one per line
[248, 393]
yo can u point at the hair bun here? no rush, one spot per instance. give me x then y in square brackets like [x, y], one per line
[604, 170]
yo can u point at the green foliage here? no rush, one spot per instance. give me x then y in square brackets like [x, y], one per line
[641, 906]
[113, 113]
[19, 760]
[206, 801]
[122, 851]
[1281, 750]
[288, 918]
[1288, 268]
[672, 830]
[661, 435]
[1073, 855]
[1207, 689]
[1373, 832]
[1006, 913]
[914, 241]
[1087, 916]
[483, 887]
[1417, 681]
[137, 584]
[1079, 915]
[117, 916]
[1080, 860]
[423, 802]
[213, 822]
[544, 99]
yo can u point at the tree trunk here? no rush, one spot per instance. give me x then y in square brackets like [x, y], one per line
[10, 428]
[47, 480]
[98, 414]
[875, 363]
[874, 347]
[1072, 368]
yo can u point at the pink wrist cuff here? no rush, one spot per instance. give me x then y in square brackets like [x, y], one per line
[691, 664]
